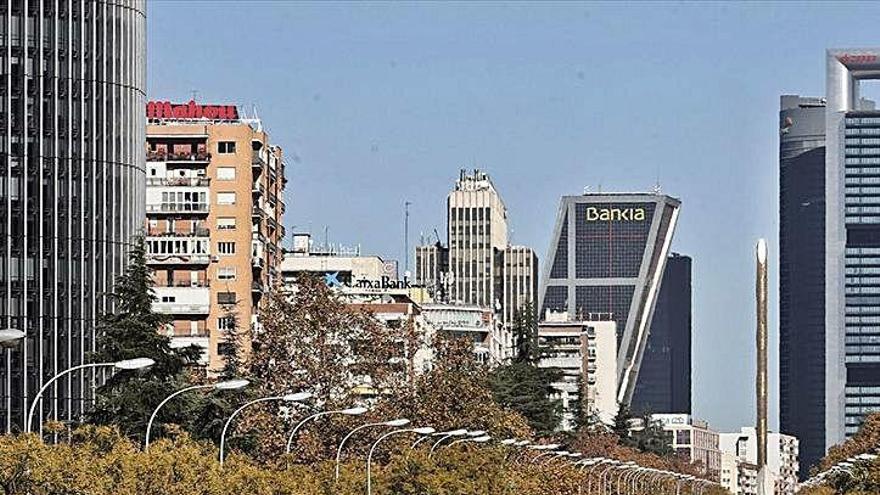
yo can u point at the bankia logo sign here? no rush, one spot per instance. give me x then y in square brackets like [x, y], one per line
[615, 214]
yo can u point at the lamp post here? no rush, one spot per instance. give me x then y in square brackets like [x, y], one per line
[127, 364]
[10, 336]
[351, 411]
[482, 439]
[442, 434]
[394, 423]
[297, 397]
[426, 430]
[227, 385]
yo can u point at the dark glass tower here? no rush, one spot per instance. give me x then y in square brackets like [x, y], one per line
[72, 140]
[664, 384]
[802, 274]
[607, 256]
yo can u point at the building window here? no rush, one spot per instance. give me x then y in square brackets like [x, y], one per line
[225, 348]
[226, 323]
[226, 297]
[226, 273]
[168, 299]
[226, 247]
[226, 223]
[225, 198]
[226, 173]
[226, 147]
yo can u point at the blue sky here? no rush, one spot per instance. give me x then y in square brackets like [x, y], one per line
[380, 103]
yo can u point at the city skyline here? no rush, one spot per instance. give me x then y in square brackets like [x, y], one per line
[378, 95]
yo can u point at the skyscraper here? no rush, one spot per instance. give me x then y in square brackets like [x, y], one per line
[852, 244]
[664, 384]
[214, 219]
[479, 266]
[71, 188]
[477, 230]
[802, 274]
[607, 255]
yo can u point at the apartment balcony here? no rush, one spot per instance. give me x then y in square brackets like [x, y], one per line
[198, 284]
[179, 208]
[257, 213]
[257, 160]
[179, 181]
[556, 362]
[181, 308]
[178, 259]
[160, 156]
[258, 262]
[197, 232]
[257, 190]
[258, 287]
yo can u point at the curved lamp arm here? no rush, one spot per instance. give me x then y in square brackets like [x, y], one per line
[234, 414]
[156, 411]
[39, 396]
[299, 425]
[345, 439]
[370, 455]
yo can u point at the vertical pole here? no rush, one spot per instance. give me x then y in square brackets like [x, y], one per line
[761, 344]
[406, 237]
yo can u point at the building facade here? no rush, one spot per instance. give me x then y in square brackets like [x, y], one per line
[802, 273]
[476, 231]
[694, 440]
[519, 280]
[607, 255]
[215, 185]
[782, 461]
[71, 189]
[664, 383]
[586, 354]
[852, 244]
[432, 270]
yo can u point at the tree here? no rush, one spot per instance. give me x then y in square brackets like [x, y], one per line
[133, 330]
[653, 438]
[312, 341]
[622, 425]
[522, 385]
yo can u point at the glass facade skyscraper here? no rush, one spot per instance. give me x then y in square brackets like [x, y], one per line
[607, 255]
[802, 274]
[71, 187]
[664, 384]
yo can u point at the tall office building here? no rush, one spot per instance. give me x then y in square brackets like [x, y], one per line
[432, 269]
[852, 244]
[214, 218]
[607, 255]
[71, 188]
[802, 274]
[664, 384]
[479, 267]
[477, 230]
[519, 280]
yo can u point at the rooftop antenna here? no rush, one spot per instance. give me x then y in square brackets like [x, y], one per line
[195, 94]
[586, 189]
[257, 118]
[406, 236]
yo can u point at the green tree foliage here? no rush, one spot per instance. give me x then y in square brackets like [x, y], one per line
[134, 330]
[865, 476]
[521, 385]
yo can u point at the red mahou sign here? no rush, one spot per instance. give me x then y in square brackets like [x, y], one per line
[858, 58]
[191, 110]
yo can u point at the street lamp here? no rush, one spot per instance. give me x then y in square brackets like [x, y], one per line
[394, 423]
[443, 434]
[443, 437]
[125, 365]
[297, 397]
[227, 385]
[10, 336]
[426, 430]
[351, 411]
[482, 439]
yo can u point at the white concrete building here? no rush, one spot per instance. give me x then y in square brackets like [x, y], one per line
[693, 439]
[586, 352]
[782, 458]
